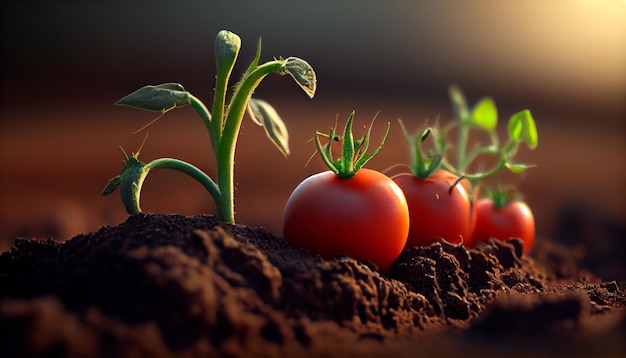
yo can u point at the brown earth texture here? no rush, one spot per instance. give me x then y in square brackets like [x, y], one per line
[192, 286]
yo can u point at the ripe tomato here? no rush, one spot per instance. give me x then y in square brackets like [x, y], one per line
[514, 219]
[365, 217]
[434, 211]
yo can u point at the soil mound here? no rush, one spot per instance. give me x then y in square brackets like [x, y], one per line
[172, 285]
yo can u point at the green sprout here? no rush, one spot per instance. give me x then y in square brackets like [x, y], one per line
[222, 125]
[483, 117]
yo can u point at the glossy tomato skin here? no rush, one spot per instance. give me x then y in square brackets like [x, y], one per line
[365, 217]
[512, 220]
[434, 211]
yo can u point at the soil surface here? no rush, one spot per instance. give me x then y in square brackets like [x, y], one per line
[174, 285]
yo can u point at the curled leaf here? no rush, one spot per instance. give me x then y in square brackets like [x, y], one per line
[302, 73]
[522, 128]
[263, 114]
[159, 98]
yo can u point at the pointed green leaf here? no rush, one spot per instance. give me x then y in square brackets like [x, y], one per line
[112, 185]
[485, 114]
[159, 98]
[257, 57]
[303, 74]
[324, 151]
[459, 105]
[522, 128]
[518, 168]
[363, 159]
[263, 114]
[347, 150]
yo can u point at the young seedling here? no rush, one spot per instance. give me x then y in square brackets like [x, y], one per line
[222, 123]
[483, 117]
[497, 215]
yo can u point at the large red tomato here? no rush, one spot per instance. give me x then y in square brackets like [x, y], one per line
[514, 219]
[435, 211]
[365, 217]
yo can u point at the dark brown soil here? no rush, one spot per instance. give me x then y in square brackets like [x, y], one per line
[173, 285]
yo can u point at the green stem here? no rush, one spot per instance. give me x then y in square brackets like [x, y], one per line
[192, 171]
[461, 146]
[476, 152]
[201, 109]
[496, 168]
[225, 152]
[227, 46]
[510, 148]
[219, 101]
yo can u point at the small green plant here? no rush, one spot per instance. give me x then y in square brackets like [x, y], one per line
[222, 123]
[483, 117]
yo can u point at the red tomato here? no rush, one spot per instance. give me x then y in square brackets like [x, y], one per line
[365, 217]
[434, 211]
[512, 220]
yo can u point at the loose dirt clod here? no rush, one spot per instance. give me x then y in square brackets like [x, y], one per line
[164, 285]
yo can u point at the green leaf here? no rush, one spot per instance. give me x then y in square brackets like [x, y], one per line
[347, 149]
[303, 74]
[364, 158]
[263, 114]
[522, 128]
[459, 105]
[257, 57]
[112, 185]
[159, 98]
[131, 181]
[485, 114]
[518, 168]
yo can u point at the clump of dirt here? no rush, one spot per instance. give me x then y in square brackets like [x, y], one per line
[164, 285]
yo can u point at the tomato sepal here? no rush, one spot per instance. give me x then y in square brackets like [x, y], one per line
[353, 152]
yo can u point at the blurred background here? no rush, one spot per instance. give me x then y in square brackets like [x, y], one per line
[64, 64]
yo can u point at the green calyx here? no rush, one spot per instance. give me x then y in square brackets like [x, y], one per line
[353, 152]
[425, 163]
[503, 196]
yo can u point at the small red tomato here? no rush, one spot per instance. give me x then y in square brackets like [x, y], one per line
[513, 219]
[435, 211]
[365, 217]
